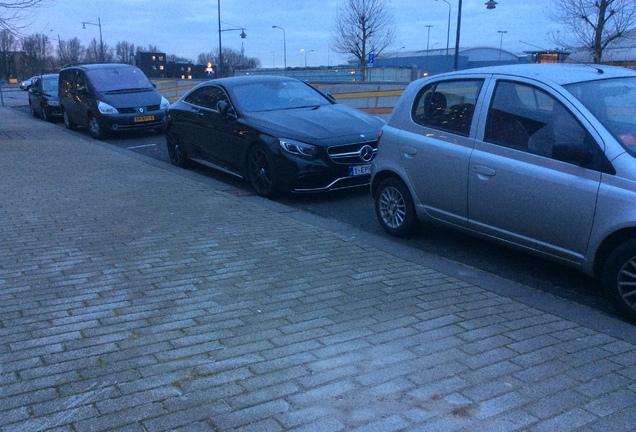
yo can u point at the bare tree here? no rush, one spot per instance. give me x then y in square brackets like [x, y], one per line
[70, 52]
[363, 27]
[13, 12]
[233, 60]
[36, 51]
[8, 44]
[93, 53]
[593, 24]
[125, 52]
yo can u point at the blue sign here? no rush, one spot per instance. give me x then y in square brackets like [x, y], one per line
[371, 58]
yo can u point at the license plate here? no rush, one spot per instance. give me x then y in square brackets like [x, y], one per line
[143, 119]
[359, 170]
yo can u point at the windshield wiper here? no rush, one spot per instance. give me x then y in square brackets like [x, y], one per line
[129, 90]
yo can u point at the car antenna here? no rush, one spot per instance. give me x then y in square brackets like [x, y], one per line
[598, 69]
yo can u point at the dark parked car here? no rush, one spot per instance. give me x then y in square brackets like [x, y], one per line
[539, 157]
[110, 97]
[279, 133]
[43, 100]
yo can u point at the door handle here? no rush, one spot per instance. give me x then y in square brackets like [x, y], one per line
[409, 151]
[483, 172]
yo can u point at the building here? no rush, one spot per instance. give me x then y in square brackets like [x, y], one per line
[153, 64]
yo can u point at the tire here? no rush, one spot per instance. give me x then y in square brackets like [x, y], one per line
[619, 279]
[45, 116]
[261, 173]
[176, 151]
[95, 128]
[394, 208]
[68, 123]
[33, 112]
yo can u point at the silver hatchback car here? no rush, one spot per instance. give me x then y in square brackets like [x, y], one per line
[539, 157]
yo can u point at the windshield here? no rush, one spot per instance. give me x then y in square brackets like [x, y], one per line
[49, 84]
[277, 95]
[118, 78]
[613, 103]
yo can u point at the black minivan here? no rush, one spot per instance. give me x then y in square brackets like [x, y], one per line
[110, 97]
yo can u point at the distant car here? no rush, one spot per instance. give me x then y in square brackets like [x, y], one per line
[110, 97]
[279, 133]
[539, 157]
[26, 84]
[43, 100]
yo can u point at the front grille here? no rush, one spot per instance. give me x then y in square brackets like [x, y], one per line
[351, 153]
[136, 111]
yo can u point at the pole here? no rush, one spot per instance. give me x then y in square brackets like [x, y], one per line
[101, 41]
[220, 47]
[459, 24]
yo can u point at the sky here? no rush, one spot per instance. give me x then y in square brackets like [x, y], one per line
[188, 28]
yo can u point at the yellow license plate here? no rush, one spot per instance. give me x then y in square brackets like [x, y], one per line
[143, 119]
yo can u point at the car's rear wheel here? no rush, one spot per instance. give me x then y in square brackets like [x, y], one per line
[619, 279]
[176, 151]
[68, 123]
[95, 128]
[261, 173]
[33, 112]
[394, 208]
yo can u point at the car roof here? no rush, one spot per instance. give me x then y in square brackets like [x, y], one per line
[237, 80]
[558, 73]
[92, 66]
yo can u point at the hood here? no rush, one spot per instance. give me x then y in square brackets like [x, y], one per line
[327, 124]
[131, 99]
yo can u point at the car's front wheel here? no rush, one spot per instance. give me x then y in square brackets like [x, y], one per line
[261, 173]
[45, 114]
[95, 128]
[176, 151]
[394, 208]
[619, 279]
[33, 112]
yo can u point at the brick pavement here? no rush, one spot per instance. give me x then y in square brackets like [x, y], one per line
[136, 297]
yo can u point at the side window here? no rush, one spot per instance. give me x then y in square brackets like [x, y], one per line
[207, 97]
[529, 119]
[447, 105]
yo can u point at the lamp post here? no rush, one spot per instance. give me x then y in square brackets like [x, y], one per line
[284, 45]
[220, 46]
[307, 52]
[490, 4]
[101, 42]
[447, 29]
[501, 32]
[428, 38]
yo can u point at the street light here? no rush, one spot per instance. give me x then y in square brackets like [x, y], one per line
[491, 4]
[284, 44]
[447, 29]
[307, 52]
[501, 32]
[101, 42]
[428, 38]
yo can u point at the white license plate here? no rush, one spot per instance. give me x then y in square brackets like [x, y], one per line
[359, 170]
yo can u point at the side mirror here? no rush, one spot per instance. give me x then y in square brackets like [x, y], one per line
[226, 110]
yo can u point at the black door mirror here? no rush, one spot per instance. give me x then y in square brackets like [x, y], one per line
[226, 110]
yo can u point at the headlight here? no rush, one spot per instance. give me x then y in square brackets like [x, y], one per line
[104, 108]
[298, 148]
[165, 104]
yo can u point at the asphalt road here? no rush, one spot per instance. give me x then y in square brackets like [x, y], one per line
[355, 208]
